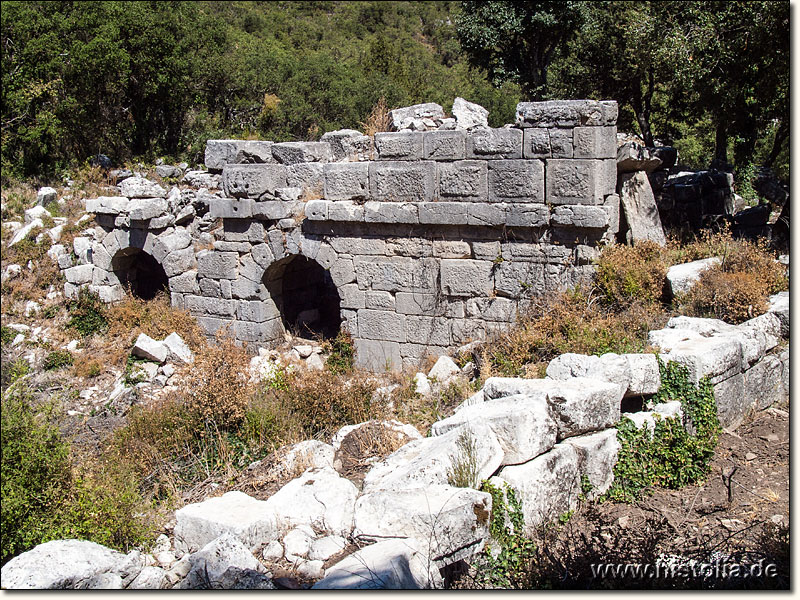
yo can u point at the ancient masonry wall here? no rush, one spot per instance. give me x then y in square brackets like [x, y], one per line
[431, 238]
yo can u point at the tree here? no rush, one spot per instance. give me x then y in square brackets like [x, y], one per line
[517, 41]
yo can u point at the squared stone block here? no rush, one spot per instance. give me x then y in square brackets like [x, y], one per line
[292, 153]
[274, 210]
[444, 145]
[527, 215]
[308, 177]
[399, 145]
[575, 181]
[566, 113]
[236, 230]
[485, 214]
[397, 274]
[443, 213]
[516, 181]
[402, 181]
[462, 277]
[595, 142]
[253, 181]
[381, 325]
[494, 143]
[391, 212]
[580, 215]
[378, 356]
[428, 330]
[256, 311]
[536, 143]
[464, 180]
[217, 265]
[346, 181]
[231, 208]
[317, 210]
[561, 143]
[345, 211]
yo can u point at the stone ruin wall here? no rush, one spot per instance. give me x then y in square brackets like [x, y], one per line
[430, 238]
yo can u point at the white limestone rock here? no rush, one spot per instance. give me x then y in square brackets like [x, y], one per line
[648, 418]
[597, 455]
[147, 347]
[46, 195]
[36, 213]
[225, 563]
[444, 370]
[422, 384]
[178, 350]
[325, 547]
[469, 115]
[409, 431]
[139, 187]
[302, 456]
[779, 306]
[681, 278]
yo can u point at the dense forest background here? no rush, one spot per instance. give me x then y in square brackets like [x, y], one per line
[139, 80]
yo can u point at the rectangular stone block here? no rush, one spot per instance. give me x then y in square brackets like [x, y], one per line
[222, 152]
[428, 330]
[107, 205]
[566, 113]
[414, 247]
[345, 211]
[492, 309]
[307, 177]
[464, 180]
[594, 142]
[231, 208]
[494, 143]
[379, 300]
[451, 249]
[217, 265]
[391, 212]
[253, 181]
[246, 289]
[371, 246]
[346, 181]
[378, 356]
[561, 143]
[399, 145]
[268, 331]
[443, 213]
[579, 215]
[351, 297]
[234, 230]
[317, 210]
[575, 181]
[527, 215]
[179, 261]
[381, 325]
[292, 153]
[275, 210]
[420, 304]
[402, 181]
[466, 277]
[397, 274]
[257, 311]
[518, 279]
[488, 215]
[444, 145]
[210, 306]
[516, 181]
[536, 143]
[212, 325]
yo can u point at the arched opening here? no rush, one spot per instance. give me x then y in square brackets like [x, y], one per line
[306, 297]
[139, 272]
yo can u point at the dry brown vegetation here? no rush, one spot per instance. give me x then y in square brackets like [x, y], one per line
[378, 120]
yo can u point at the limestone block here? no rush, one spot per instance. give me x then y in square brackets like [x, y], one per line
[444, 213]
[107, 205]
[632, 157]
[579, 405]
[351, 297]
[649, 418]
[142, 209]
[349, 145]
[231, 208]
[527, 215]
[779, 306]
[139, 187]
[400, 564]
[179, 261]
[732, 402]
[464, 179]
[454, 522]
[346, 181]
[426, 462]
[401, 117]
[60, 564]
[428, 330]
[211, 306]
[212, 325]
[396, 181]
[536, 143]
[715, 357]
[369, 246]
[560, 143]
[320, 498]
[381, 325]
[79, 275]
[276, 210]
[523, 424]
[150, 578]
[46, 195]
[345, 211]
[645, 374]
[469, 115]
[291, 153]
[444, 145]
[516, 181]
[461, 277]
[219, 153]
[574, 181]
[397, 274]
[566, 113]
[217, 265]
[226, 563]
[757, 336]
[178, 350]
[763, 383]
[579, 215]
[597, 455]
[308, 177]
[252, 522]
[494, 144]
[316, 210]
[681, 278]
[253, 181]
[641, 211]
[377, 300]
[391, 212]
[492, 309]
[402, 145]
[595, 142]
[548, 486]
[444, 370]
[257, 311]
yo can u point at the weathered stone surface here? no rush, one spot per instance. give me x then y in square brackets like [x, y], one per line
[587, 217]
[566, 113]
[139, 187]
[732, 402]
[402, 117]
[388, 565]
[217, 265]
[594, 142]
[60, 564]
[107, 205]
[494, 144]
[143, 209]
[469, 115]
[779, 306]
[464, 180]
[763, 382]
[252, 522]
[522, 424]
[453, 522]
[396, 274]
[641, 212]
[444, 145]
[460, 277]
[46, 195]
[426, 462]
[397, 181]
[409, 431]
[681, 278]
[403, 145]
[632, 157]
[319, 498]
[548, 486]
[444, 370]
[575, 181]
[225, 563]
[291, 153]
[597, 455]
[178, 350]
[253, 181]
[346, 181]
[516, 181]
[150, 578]
[147, 347]
[579, 405]
[716, 357]
[349, 144]
[80, 274]
[378, 356]
[649, 418]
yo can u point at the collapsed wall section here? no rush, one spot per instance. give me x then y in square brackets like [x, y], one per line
[430, 239]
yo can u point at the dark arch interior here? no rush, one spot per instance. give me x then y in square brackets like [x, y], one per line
[140, 272]
[305, 296]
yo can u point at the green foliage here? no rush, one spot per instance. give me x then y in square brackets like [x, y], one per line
[673, 457]
[506, 562]
[17, 369]
[133, 374]
[340, 354]
[57, 359]
[88, 313]
[7, 335]
[463, 470]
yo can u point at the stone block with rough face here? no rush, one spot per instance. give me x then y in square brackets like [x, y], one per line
[594, 142]
[574, 181]
[397, 181]
[346, 181]
[444, 145]
[494, 144]
[516, 181]
[460, 277]
[401, 145]
[580, 216]
[292, 153]
[597, 455]
[464, 180]
[566, 113]
[253, 181]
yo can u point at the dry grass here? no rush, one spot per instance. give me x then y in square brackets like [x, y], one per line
[378, 120]
[627, 274]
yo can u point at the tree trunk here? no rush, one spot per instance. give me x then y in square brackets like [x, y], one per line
[781, 135]
[721, 142]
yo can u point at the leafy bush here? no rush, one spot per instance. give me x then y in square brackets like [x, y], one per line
[7, 335]
[673, 457]
[626, 274]
[341, 353]
[88, 314]
[57, 359]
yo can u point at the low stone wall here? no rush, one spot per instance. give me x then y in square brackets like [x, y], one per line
[429, 239]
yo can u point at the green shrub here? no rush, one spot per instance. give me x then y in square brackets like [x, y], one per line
[87, 313]
[7, 335]
[15, 370]
[341, 353]
[673, 457]
[57, 359]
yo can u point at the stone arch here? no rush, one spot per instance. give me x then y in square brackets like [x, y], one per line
[305, 295]
[140, 272]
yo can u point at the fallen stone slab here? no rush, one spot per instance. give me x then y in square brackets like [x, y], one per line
[597, 455]
[139, 187]
[641, 211]
[403, 117]
[638, 374]
[226, 564]
[428, 461]
[632, 157]
[251, 521]
[444, 370]
[148, 348]
[681, 278]
[779, 306]
[389, 565]
[452, 522]
[717, 358]
[178, 349]
[522, 424]
[763, 382]
[469, 115]
[46, 195]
